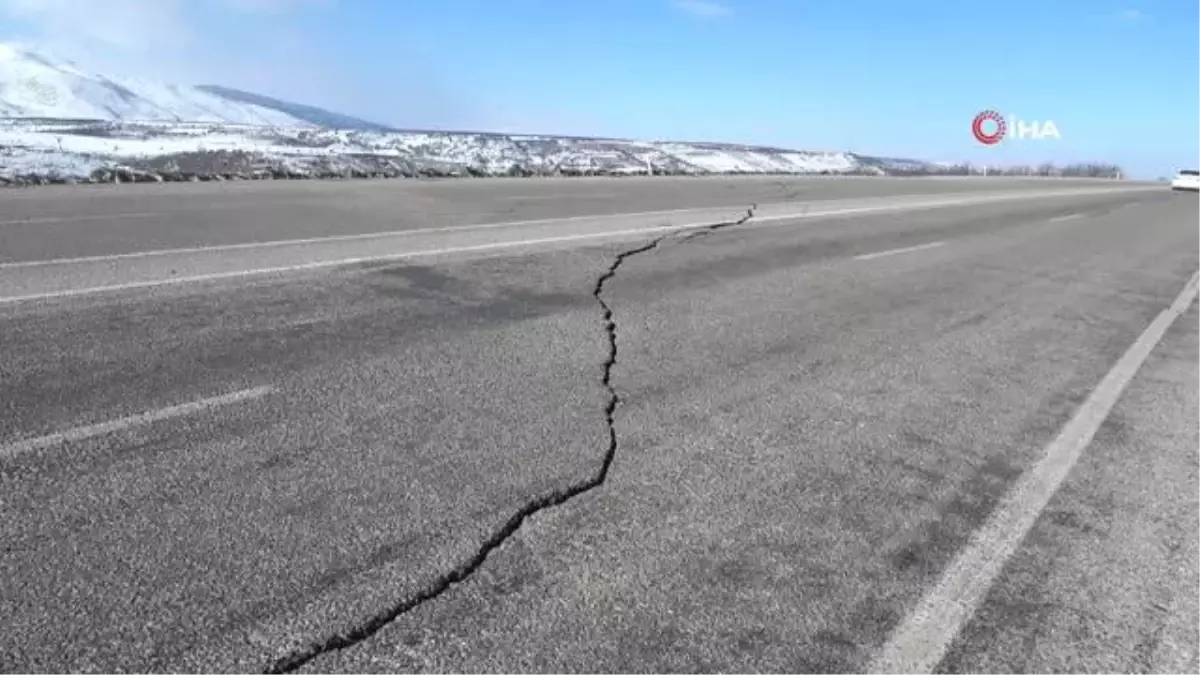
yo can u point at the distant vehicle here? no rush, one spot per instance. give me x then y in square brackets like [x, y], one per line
[1188, 179]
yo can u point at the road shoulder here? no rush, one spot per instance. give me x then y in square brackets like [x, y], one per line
[1107, 581]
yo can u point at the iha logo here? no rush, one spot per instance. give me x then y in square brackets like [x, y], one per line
[989, 128]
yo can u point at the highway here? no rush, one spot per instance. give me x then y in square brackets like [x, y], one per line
[707, 424]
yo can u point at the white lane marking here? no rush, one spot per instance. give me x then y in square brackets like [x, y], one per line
[355, 237]
[756, 222]
[895, 251]
[920, 642]
[91, 216]
[1070, 216]
[112, 426]
[969, 199]
[560, 195]
[333, 263]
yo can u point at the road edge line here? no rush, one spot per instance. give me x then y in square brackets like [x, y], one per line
[923, 638]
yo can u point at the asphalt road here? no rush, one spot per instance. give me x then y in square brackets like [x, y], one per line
[629, 448]
[92, 220]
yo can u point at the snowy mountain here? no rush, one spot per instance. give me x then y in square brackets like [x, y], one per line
[59, 121]
[307, 113]
[62, 123]
[34, 85]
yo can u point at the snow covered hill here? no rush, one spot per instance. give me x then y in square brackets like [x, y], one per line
[62, 123]
[53, 151]
[307, 113]
[57, 151]
[37, 86]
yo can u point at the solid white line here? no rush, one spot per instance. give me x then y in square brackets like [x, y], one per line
[560, 195]
[353, 237]
[920, 642]
[895, 251]
[43, 220]
[1072, 216]
[331, 263]
[980, 198]
[756, 222]
[431, 252]
[81, 433]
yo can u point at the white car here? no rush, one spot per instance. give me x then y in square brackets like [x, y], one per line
[1188, 179]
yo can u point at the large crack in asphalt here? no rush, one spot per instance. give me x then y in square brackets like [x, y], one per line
[300, 657]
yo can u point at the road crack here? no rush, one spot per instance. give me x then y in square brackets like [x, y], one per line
[300, 657]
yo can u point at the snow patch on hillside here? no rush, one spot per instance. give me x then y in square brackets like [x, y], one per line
[34, 85]
[86, 146]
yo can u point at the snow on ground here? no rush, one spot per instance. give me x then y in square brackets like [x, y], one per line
[66, 121]
[139, 145]
[20, 162]
[56, 150]
[729, 159]
[147, 144]
[60, 121]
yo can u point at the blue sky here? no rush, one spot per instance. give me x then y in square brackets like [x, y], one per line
[904, 78]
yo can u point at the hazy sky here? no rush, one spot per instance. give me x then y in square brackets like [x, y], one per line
[895, 77]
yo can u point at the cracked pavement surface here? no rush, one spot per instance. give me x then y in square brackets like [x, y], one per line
[529, 509]
[790, 446]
